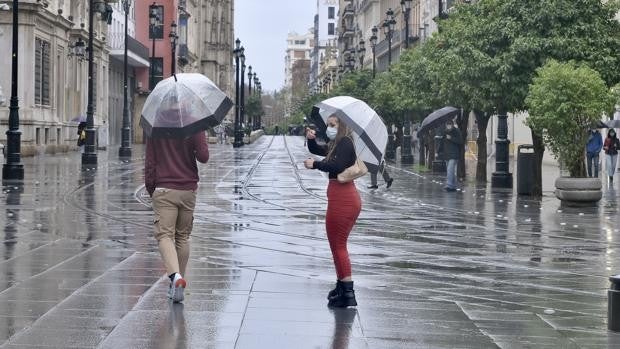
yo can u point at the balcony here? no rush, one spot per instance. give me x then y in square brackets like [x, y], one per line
[137, 54]
[348, 11]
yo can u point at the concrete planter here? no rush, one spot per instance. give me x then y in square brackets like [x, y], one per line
[578, 191]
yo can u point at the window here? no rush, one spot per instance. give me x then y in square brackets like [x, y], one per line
[330, 29]
[37, 136]
[47, 136]
[41, 72]
[300, 42]
[157, 64]
[58, 136]
[331, 12]
[157, 30]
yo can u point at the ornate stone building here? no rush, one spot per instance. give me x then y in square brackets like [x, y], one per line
[52, 83]
[217, 40]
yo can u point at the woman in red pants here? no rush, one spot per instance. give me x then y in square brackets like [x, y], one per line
[343, 203]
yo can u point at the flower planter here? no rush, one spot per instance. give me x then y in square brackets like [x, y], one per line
[578, 191]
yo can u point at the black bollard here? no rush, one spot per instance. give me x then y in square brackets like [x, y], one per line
[613, 304]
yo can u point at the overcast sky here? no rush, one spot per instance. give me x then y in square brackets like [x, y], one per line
[262, 27]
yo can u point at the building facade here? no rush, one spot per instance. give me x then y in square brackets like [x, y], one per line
[52, 81]
[138, 61]
[325, 35]
[298, 47]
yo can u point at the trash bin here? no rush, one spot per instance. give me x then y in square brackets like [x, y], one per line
[526, 161]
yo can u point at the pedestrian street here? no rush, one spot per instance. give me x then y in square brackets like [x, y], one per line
[470, 269]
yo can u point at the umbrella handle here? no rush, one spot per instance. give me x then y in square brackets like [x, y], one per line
[175, 77]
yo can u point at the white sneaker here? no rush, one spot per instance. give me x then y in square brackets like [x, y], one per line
[177, 288]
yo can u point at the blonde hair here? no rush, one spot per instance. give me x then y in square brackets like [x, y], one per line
[343, 131]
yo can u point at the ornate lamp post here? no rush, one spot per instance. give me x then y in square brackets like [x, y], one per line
[406, 155]
[502, 178]
[238, 142]
[361, 51]
[250, 80]
[125, 150]
[153, 22]
[13, 168]
[388, 27]
[373, 45]
[255, 78]
[173, 43]
[89, 157]
[406, 7]
[242, 92]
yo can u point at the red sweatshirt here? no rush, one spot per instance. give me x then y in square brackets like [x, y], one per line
[171, 163]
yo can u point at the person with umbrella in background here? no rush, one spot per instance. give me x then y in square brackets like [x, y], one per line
[175, 117]
[451, 149]
[593, 148]
[611, 146]
[386, 177]
[343, 202]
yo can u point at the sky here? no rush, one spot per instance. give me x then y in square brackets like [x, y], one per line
[262, 27]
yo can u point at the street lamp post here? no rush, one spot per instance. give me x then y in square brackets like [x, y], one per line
[388, 26]
[406, 157]
[13, 168]
[238, 142]
[125, 149]
[153, 21]
[361, 50]
[173, 43]
[373, 45]
[406, 6]
[502, 178]
[242, 92]
[89, 157]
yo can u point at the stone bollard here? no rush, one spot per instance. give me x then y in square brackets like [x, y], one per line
[613, 304]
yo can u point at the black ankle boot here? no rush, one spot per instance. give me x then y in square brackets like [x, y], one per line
[334, 292]
[345, 295]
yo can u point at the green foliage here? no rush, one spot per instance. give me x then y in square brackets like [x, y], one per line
[254, 107]
[491, 49]
[355, 84]
[564, 101]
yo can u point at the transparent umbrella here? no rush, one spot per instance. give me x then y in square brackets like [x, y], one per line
[182, 105]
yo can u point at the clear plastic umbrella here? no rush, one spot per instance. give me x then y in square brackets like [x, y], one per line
[369, 132]
[182, 105]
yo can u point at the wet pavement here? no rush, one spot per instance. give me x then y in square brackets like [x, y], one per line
[471, 269]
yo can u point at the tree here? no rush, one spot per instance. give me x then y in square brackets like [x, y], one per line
[565, 100]
[254, 108]
[503, 42]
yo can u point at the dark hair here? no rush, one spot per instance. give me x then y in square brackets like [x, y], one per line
[610, 131]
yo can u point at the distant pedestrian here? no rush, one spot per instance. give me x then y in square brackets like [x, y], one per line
[593, 148]
[171, 179]
[386, 176]
[451, 149]
[611, 146]
[343, 203]
[414, 140]
[81, 131]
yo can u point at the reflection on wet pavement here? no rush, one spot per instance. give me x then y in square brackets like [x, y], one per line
[472, 269]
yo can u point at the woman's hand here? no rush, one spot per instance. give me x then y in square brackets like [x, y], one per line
[310, 133]
[309, 163]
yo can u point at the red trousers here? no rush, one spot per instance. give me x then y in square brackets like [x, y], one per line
[343, 207]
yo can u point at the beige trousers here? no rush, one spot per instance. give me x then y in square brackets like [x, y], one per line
[174, 217]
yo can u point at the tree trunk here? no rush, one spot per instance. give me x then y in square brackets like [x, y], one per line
[539, 152]
[431, 149]
[463, 123]
[482, 119]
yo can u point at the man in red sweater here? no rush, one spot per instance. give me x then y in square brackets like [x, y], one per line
[171, 178]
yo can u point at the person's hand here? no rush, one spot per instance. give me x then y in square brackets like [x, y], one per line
[436, 155]
[309, 163]
[310, 133]
[448, 137]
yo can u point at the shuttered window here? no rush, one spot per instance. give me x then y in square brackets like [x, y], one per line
[42, 74]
